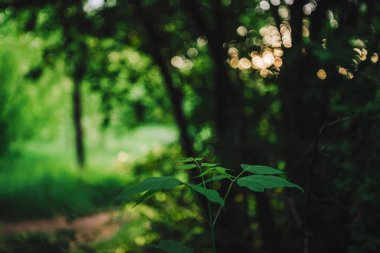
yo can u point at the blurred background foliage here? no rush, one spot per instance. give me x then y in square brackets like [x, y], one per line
[98, 94]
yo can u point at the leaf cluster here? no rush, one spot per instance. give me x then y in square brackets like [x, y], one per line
[259, 179]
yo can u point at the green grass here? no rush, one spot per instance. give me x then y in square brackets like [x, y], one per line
[43, 181]
[136, 144]
[45, 193]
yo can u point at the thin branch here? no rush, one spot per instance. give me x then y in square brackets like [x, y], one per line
[225, 196]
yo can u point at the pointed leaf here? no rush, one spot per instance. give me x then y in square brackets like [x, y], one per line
[222, 171]
[209, 165]
[151, 184]
[252, 185]
[261, 169]
[259, 183]
[187, 166]
[145, 196]
[187, 160]
[216, 178]
[215, 170]
[190, 159]
[172, 247]
[211, 195]
[204, 173]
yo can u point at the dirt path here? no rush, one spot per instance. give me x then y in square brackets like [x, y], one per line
[90, 228]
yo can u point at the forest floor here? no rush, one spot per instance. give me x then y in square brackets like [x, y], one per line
[47, 202]
[99, 226]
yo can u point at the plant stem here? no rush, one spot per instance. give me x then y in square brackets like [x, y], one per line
[200, 205]
[213, 238]
[225, 197]
[211, 226]
[210, 219]
[201, 171]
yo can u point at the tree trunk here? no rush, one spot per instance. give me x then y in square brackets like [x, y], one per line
[173, 92]
[76, 56]
[77, 121]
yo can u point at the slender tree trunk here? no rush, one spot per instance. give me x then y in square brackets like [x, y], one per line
[76, 57]
[174, 93]
[78, 73]
[77, 121]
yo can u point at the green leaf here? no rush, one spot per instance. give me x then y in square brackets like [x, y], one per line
[172, 247]
[222, 171]
[216, 170]
[259, 183]
[261, 169]
[151, 184]
[211, 195]
[216, 178]
[204, 173]
[145, 196]
[190, 159]
[187, 160]
[209, 165]
[187, 166]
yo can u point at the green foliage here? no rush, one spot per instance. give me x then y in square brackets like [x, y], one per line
[191, 159]
[187, 166]
[42, 181]
[258, 183]
[52, 191]
[172, 247]
[260, 169]
[35, 243]
[19, 108]
[211, 195]
[209, 165]
[214, 170]
[127, 50]
[150, 185]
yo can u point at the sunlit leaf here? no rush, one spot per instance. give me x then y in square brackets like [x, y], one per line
[261, 169]
[211, 195]
[259, 183]
[187, 166]
[209, 165]
[151, 184]
[172, 247]
[145, 196]
[187, 160]
[191, 159]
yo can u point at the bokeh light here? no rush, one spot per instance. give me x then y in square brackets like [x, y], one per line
[264, 5]
[374, 58]
[275, 2]
[321, 74]
[242, 31]
[202, 41]
[244, 64]
[192, 52]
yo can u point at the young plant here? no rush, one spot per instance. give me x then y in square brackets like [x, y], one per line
[256, 178]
